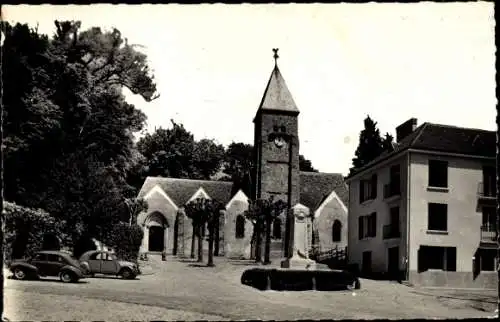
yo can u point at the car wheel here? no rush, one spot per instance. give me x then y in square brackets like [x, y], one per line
[127, 274]
[67, 277]
[20, 274]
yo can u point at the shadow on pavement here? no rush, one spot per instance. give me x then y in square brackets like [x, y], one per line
[199, 265]
[48, 280]
[469, 297]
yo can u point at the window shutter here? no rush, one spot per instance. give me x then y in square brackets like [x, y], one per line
[374, 186]
[374, 224]
[361, 191]
[360, 228]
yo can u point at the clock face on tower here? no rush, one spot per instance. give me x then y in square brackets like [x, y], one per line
[279, 142]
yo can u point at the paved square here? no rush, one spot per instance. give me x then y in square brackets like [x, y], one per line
[182, 290]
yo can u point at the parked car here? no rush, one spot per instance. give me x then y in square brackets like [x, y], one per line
[104, 262]
[48, 263]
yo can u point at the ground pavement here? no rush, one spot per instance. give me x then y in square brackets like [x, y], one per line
[184, 290]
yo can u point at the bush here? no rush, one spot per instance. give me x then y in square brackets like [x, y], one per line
[125, 240]
[26, 230]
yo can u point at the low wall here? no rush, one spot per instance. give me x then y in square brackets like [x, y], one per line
[438, 278]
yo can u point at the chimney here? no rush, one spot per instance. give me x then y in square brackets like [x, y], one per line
[405, 129]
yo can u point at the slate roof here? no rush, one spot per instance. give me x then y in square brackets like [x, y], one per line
[276, 96]
[443, 138]
[314, 188]
[180, 190]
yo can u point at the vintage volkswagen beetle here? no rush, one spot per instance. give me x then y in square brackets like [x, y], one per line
[48, 263]
[105, 262]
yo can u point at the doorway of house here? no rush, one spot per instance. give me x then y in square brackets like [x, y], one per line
[393, 262]
[156, 238]
[367, 263]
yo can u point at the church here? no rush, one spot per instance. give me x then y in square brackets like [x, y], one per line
[276, 152]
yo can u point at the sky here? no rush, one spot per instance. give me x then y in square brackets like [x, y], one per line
[341, 62]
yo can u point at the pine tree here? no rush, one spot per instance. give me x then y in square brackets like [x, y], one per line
[387, 142]
[370, 145]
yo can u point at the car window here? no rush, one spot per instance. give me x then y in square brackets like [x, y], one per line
[52, 258]
[39, 257]
[112, 257]
[94, 256]
[101, 256]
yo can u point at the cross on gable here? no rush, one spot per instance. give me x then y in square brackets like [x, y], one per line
[275, 50]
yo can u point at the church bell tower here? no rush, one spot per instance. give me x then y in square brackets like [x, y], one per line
[276, 142]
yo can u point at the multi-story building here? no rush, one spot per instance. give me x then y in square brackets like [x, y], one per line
[425, 211]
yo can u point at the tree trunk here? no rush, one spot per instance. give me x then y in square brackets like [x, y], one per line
[267, 251]
[258, 243]
[193, 233]
[252, 244]
[211, 233]
[200, 244]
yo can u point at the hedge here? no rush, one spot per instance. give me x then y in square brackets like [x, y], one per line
[26, 229]
[125, 240]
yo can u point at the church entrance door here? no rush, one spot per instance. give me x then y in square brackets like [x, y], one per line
[156, 238]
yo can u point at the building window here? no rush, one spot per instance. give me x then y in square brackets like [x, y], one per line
[275, 128]
[434, 257]
[395, 181]
[367, 226]
[368, 189]
[394, 213]
[487, 259]
[392, 230]
[489, 182]
[438, 173]
[240, 226]
[277, 228]
[336, 231]
[437, 217]
[283, 129]
[489, 219]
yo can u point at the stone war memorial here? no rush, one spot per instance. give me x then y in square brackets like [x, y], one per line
[316, 217]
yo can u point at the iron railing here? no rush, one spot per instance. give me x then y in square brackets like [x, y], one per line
[488, 233]
[486, 191]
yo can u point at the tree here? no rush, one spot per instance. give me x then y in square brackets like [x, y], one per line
[204, 212]
[194, 211]
[305, 165]
[175, 153]
[68, 129]
[239, 166]
[387, 143]
[262, 212]
[272, 209]
[213, 210]
[370, 145]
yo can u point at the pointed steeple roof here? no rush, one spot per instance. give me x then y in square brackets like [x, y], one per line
[277, 97]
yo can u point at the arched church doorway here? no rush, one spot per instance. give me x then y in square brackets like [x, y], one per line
[156, 238]
[157, 232]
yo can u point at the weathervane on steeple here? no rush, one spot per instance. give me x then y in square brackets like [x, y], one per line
[276, 56]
